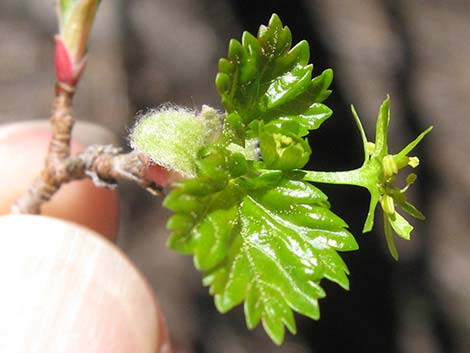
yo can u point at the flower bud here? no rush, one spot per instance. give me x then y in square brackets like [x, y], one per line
[389, 166]
[284, 151]
[388, 205]
[173, 136]
[413, 162]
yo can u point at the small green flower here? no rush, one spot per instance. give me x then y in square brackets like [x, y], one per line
[385, 191]
[284, 151]
[378, 175]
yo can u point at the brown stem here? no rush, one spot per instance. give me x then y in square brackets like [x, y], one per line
[53, 174]
[104, 165]
[61, 124]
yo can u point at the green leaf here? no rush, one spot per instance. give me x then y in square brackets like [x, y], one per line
[313, 117]
[263, 78]
[75, 20]
[262, 239]
[265, 83]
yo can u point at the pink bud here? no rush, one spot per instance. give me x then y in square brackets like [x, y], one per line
[63, 62]
[161, 175]
[66, 70]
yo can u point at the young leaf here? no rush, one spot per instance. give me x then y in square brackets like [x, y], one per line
[260, 238]
[75, 20]
[264, 79]
[261, 234]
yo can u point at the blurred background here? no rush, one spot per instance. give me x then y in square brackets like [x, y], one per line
[148, 52]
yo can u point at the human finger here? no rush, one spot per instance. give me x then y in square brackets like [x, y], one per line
[66, 289]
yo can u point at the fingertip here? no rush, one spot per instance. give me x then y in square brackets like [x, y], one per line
[69, 290]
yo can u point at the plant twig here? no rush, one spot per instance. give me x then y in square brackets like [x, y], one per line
[104, 165]
[53, 173]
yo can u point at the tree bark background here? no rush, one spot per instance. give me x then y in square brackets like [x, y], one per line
[148, 52]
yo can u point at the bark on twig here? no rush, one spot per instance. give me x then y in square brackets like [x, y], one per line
[104, 165]
[53, 174]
